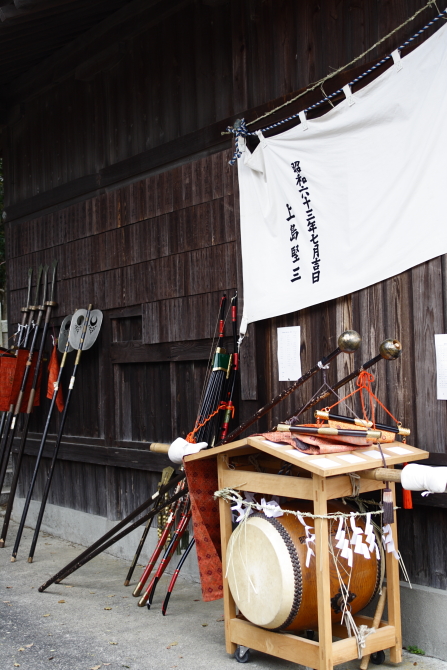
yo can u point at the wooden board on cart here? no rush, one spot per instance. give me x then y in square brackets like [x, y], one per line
[327, 465]
[322, 478]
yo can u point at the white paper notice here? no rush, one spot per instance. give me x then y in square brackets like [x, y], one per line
[289, 360]
[441, 365]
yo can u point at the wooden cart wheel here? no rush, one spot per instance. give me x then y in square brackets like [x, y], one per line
[378, 657]
[242, 655]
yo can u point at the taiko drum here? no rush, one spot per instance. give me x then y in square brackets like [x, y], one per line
[269, 580]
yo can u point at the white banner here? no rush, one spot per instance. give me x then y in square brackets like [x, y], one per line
[358, 195]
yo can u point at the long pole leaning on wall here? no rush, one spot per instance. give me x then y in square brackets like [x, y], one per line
[66, 350]
[77, 338]
[113, 535]
[49, 304]
[19, 340]
[11, 425]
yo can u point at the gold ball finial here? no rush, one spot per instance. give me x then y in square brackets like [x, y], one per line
[349, 341]
[390, 349]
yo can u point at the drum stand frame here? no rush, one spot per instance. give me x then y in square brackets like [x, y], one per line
[322, 655]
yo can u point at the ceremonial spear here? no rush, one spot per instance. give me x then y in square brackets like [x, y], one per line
[67, 350]
[84, 325]
[147, 597]
[159, 547]
[389, 350]
[165, 477]
[181, 562]
[348, 342]
[207, 420]
[229, 408]
[10, 413]
[34, 307]
[113, 536]
[25, 310]
[49, 304]
[12, 420]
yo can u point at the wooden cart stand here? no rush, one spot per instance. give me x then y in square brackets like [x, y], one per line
[329, 479]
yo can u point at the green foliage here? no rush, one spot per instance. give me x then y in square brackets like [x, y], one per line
[413, 649]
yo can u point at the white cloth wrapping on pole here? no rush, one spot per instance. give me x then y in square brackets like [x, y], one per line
[349, 199]
[417, 477]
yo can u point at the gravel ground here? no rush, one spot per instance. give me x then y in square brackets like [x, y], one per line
[91, 621]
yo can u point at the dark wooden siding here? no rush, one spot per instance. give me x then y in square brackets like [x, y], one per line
[181, 73]
[155, 253]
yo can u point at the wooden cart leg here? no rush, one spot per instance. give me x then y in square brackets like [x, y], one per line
[225, 532]
[392, 580]
[323, 579]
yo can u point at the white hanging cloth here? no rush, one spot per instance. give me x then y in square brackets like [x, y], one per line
[349, 199]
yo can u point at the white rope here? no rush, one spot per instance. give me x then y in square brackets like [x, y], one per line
[320, 82]
[230, 495]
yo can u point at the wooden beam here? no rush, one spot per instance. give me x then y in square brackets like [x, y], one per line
[266, 483]
[24, 10]
[135, 351]
[282, 645]
[208, 139]
[37, 5]
[132, 19]
[135, 459]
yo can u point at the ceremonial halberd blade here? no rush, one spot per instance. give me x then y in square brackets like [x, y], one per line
[63, 335]
[93, 328]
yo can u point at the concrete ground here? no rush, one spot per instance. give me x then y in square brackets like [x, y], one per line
[92, 622]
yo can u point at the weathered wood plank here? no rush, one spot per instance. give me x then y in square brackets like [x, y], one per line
[138, 352]
[138, 459]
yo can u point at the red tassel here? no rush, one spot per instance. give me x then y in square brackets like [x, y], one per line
[53, 373]
[407, 498]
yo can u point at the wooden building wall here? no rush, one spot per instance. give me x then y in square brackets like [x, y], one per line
[122, 174]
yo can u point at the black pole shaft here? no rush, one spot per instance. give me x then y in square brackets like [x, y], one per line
[168, 472]
[164, 607]
[2, 423]
[7, 418]
[24, 435]
[13, 423]
[277, 399]
[39, 456]
[336, 386]
[100, 545]
[58, 439]
[352, 420]
[138, 551]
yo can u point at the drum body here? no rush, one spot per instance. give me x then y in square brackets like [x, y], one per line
[269, 580]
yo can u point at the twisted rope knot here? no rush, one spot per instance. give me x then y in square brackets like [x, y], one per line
[238, 130]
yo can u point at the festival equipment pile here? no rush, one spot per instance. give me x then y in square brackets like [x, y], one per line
[20, 382]
[264, 507]
[281, 580]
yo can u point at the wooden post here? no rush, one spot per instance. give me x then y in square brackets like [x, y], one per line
[393, 587]
[225, 533]
[323, 580]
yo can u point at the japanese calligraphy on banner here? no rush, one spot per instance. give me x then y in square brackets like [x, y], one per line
[349, 199]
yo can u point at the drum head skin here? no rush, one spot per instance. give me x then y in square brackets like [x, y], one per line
[269, 580]
[261, 576]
